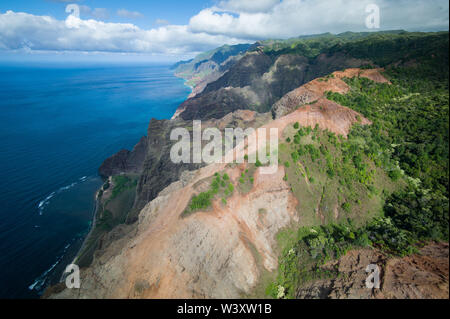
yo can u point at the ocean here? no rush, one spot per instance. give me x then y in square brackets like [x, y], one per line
[57, 125]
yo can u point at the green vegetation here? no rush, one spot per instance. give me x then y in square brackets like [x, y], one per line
[333, 178]
[399, 162]
[106, 221]
[383, 48]
[410, 123]
[121, 183]
[422, 213]
[201, 201]
[310, 247]
[220, 186]
[115, 202]
[246, 179]
[305, 250]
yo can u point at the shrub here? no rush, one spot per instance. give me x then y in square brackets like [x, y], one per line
[395, 174]
[422, 213]
[201, 201]
[346, 207]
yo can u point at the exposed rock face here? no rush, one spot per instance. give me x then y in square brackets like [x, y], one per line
[257, 81]
[315, 90]
[151, 156]
[174, 257]
[125, 161]
[329, 115]
[170, 256]
[159, 171]
[424, 275]
[221, 252]
[208, 67]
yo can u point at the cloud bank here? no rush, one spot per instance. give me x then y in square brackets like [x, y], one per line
[30, 32]
[230, 21]
[290, 18]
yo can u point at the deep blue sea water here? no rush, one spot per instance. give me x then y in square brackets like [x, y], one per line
[57, 125]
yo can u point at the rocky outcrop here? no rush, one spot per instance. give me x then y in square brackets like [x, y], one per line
[222, 252]
[151, 156]
[257, 81]
[173, 257]
[170, 255]
[125, 161]
[159, 171]
[330, 116]
[316, 89]
[208, 67]
[424, 275]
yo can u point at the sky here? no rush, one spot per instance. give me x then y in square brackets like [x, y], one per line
[173, 30]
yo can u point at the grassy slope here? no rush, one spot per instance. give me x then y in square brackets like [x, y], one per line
[408, 142]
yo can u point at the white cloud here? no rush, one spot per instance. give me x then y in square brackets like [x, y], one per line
[289, 18]
[229, 22]
[129, 14]
[26, 31]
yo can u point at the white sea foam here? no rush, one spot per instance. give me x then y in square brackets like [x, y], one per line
[46, 200]
[41, 280]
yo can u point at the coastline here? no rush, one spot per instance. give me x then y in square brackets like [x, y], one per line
[98, 199]
[44, 230]
[91, 229]
[179, 110]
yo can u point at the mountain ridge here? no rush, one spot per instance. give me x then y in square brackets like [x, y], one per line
[300, 82]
